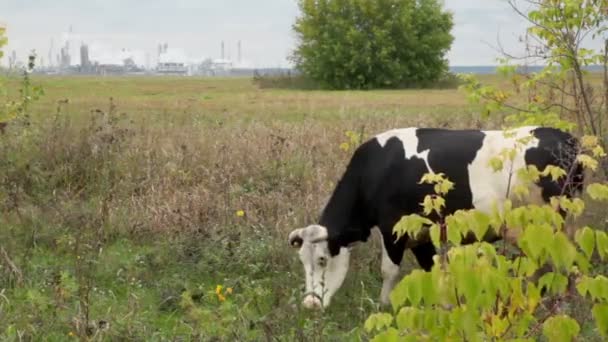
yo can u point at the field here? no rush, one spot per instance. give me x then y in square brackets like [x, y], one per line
[159, 208]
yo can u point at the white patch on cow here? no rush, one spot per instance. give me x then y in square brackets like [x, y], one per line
[490, 188]
[409, 140]
[324, 273]
[390, 275]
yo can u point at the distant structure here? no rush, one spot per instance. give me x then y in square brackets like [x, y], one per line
[170, 63]
[51, 53]
[167, 62]
[64, 57]
[85, 62]
[12, 60]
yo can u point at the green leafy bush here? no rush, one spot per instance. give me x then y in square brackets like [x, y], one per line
[361, 44]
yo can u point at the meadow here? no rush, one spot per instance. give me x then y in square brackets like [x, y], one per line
[157, 209]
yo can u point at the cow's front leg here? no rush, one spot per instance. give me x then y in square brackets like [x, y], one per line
[390, 276]
[392, 254]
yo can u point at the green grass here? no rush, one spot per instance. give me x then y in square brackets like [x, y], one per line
[126, 213]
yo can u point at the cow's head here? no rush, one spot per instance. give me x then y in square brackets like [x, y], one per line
[324, 272]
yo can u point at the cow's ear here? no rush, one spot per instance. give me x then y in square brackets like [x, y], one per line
[312, 234]
[295, 238]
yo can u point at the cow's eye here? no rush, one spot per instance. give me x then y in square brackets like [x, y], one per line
[322, 261]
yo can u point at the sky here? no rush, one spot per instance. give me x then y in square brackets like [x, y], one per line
[194, 29]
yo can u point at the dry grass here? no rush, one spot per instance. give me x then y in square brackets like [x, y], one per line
[199, 150]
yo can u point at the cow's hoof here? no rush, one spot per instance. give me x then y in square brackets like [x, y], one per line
[312, 302]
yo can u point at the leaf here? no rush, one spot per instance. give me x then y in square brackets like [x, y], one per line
[598, 191]
[533, 296]
[411, 224]
[390, 335]
[562, 251]
[496, 164]
[480, 224]
[601, 241]
[408, 318]
[587, 161]
[561, 328]
[444, 187]
[583, 286]
[598, 288]
[554, 171]
[410, 288]
[600, 314]
[598, 152]
[378, 321]
[435, 233]
[589, 141]
[454, 235]
[555, 283]
[585, 238]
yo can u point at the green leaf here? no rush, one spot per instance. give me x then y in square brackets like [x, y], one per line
[554, 171]
[378, 321]
[562, 251]
[601, 241]
[587, 161]
[561, 328]
[411, 224]
[480, 224]
[600, 314]
[585, 238]
[598, 288]
[435, 235]
[408, 318]
[496, 164]
[390, 335]
[598, 191]
[555, 283]
[454, 235]
[583, 285]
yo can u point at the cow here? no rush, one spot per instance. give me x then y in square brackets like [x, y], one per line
[381, 184]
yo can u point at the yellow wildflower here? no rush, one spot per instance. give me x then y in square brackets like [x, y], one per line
[218, 289]
[229, 290]
[71, 334]
[240, 213]
[221, 297]
[344, 146]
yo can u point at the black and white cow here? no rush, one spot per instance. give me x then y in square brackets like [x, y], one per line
[382, 183]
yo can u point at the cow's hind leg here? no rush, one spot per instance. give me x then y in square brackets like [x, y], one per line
[392, 254]
[424, 255]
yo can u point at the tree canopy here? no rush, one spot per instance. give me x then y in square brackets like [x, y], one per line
[360, 44]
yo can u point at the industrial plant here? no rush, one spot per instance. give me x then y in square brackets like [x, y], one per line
[167, 61]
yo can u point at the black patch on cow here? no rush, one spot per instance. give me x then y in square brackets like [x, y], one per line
[451, 152]
[558, 148]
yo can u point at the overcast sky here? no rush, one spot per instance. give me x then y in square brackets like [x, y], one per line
[194, 29]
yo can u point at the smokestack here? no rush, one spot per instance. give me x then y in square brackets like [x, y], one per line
[222, 49]
[51, 53]
[239, 52]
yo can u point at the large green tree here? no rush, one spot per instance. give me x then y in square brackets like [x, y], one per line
[353, 44]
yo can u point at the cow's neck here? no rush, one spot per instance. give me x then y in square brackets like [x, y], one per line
[344, 215]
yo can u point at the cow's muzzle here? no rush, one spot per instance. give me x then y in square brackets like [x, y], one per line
[312, 301]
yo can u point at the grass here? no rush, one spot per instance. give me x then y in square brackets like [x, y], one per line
[119, 207]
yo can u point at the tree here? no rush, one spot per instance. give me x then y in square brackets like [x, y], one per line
[3, 40]
[362, 44]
